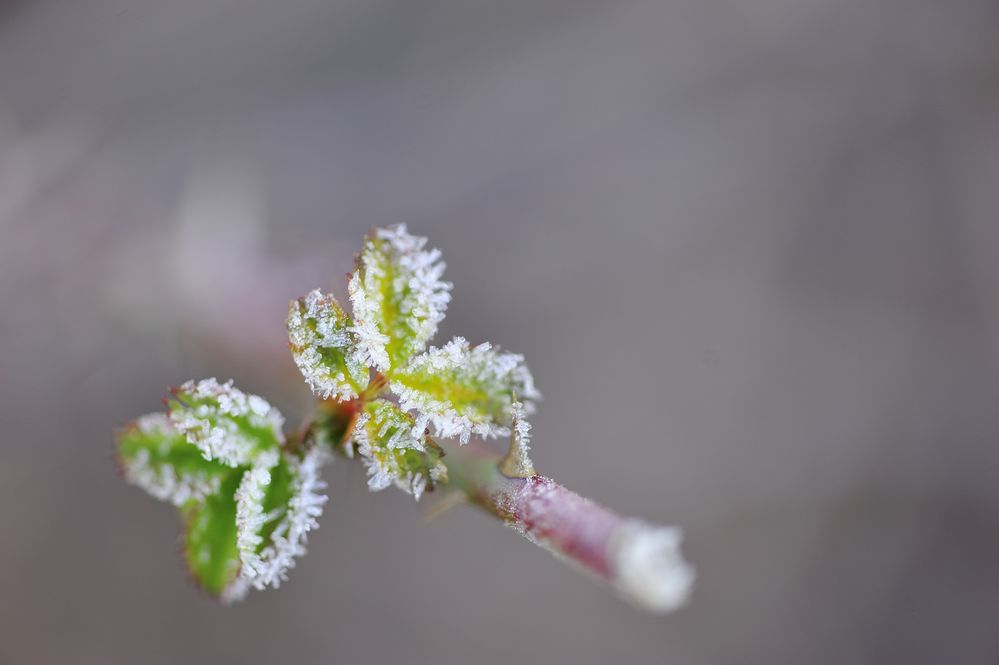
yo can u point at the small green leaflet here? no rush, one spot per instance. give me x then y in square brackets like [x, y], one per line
[278, 502]
[210, 541]
[324, 347]
[398, 296]
[461, 390]
[159, 459]
[225, 423]
[394, 453]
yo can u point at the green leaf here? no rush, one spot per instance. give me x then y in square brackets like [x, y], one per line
[277, 504]
[398, 296]
[210, 540]
[225, 423]
[394, 453]
[324, 347]
[159, 459]
[461, 390]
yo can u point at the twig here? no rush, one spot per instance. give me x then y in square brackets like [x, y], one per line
[642, 562]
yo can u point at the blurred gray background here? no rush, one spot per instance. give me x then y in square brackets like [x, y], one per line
[749, 248]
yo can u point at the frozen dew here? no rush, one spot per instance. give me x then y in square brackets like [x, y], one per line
[225, 423]
[472, 389]
[517, 463]
[398, 295]
[392, 453]
[324, 346]
[269, 565]
[160, 479]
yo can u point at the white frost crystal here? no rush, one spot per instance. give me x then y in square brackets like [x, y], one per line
[649, 568]
[325, 348]
[372, 342]
[517, 463]
[398, 296]
[268, 566]
[250, 515]
[392, 453]
[225, 423]
[160, 478]
[460, 390]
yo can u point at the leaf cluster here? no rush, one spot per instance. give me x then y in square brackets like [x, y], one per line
[248, 496]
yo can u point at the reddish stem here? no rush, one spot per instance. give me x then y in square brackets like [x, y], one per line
[641, 561]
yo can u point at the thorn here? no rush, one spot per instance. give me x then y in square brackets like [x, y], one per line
[517, 463]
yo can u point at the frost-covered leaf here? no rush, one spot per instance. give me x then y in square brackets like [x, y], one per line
[159, 459]
[210, 540]
[393, 454]
[225, 423]
[398, 296]
[277, 504]
[461, 390]
[324, 347]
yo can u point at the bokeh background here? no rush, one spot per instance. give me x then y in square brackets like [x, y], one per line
[749, 247]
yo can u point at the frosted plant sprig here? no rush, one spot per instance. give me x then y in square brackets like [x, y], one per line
[247, 499]
[398, 298]
[249, 494]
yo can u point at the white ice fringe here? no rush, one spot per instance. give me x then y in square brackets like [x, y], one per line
[371, 341]
[517, 462]
[522, 428]
[270, 566]
[481, 364]
[250, 516]
[382, 469]
[211, 426]
[163, 482]
[332, 331]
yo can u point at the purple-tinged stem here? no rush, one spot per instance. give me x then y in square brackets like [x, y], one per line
[642, 562]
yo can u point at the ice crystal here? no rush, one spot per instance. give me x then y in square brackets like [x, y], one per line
[225, 423]
[517, 463]
[266, 558]
[372, 342]
[324, 347]
[460, 390]
[649, 568]
[392, 453]
[250, 513]
[398, 296]
[158, 459]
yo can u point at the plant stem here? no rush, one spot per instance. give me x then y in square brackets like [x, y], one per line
[640, 561]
